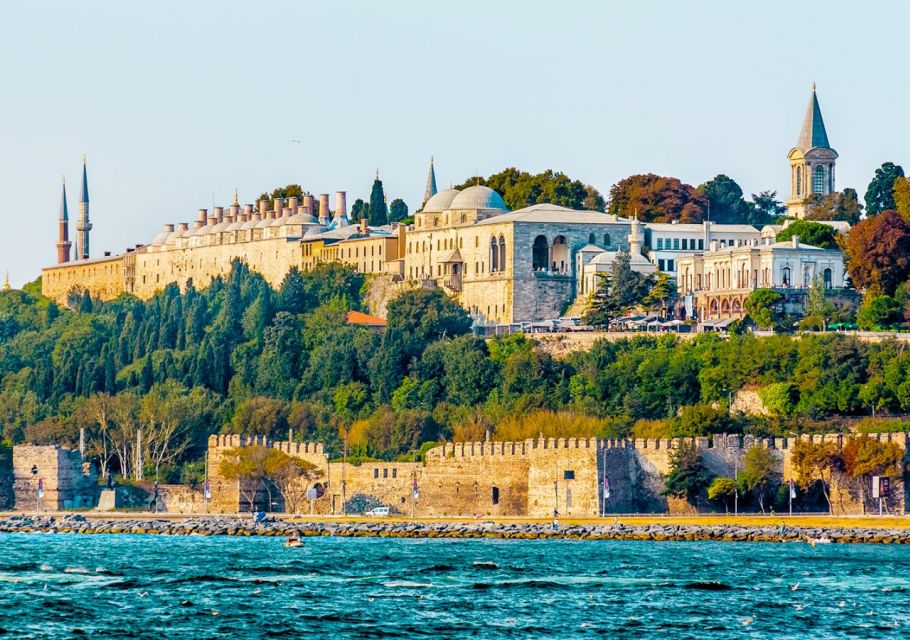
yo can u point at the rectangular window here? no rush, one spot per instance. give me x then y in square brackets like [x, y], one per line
[375, 473]
[701, 244]
[568, 474]
[660, 244]
[385, 473]
[685, 243]
[676, 243]
[661, 265]
[671, 266]
[394, 473]
[495, 495]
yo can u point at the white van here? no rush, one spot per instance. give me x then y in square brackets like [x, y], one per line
[378, 512]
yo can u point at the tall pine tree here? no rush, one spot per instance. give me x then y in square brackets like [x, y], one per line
[379, 211]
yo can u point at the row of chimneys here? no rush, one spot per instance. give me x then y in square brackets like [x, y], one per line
[235, 214]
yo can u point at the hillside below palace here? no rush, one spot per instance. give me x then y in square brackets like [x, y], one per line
[503, 266]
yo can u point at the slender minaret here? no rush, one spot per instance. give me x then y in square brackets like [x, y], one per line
[430, 191]
[83, 225]
[63, 230]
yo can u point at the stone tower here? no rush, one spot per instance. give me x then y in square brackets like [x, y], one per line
[812, 161]
[63, 230]
[83, 225]
[430, 191]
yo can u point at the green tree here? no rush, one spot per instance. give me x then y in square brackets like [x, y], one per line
[726, 200]
[722, 491]
[379, 212]
[766, 207]
[688, 476]
[360, 210]
[880, 193]
[811, 233]
[621, 290]
[819, 310]
[780, 398]
[421, 316]
[864, 457]
[398, 210]
[901, 193]
[289, 191]
[758, 474]
[878, 312]
[762, 307]
[521, 189]
[662, 295]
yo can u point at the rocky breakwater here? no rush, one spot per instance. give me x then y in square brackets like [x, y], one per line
[236, 526]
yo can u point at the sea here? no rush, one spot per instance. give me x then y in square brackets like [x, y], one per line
[147, 586]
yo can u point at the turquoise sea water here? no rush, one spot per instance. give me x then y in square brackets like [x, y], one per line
[131, 586]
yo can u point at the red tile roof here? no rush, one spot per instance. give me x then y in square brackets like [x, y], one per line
[355, 317]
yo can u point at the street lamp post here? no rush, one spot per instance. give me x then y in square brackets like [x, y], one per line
[37, 488]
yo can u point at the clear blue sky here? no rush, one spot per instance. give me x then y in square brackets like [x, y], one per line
[175, 103]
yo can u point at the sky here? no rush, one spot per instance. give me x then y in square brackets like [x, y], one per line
[176, 104]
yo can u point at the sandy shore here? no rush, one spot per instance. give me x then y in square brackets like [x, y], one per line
[838, 530]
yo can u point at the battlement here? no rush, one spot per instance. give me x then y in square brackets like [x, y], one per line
[232, 441]
[746, 442]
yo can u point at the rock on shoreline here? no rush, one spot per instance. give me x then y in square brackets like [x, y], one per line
[235, 526]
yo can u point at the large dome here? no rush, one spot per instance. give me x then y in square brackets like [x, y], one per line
[478, 197]
[440, 201]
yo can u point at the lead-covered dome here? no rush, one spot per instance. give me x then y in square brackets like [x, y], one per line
[440, 201]
[478, 197]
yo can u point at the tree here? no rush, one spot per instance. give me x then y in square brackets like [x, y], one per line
[761, 305]
[780, 398]
[843, 206]
[766, 207]
[656, 198]
[759, 471]
[291, 477]
[247, 467]
[622, 289]
[360, 210]
[521, 189]
[662, 294]
[260, 416]
[722, 490]
[379, 212]
[811, 233]
[819, 310]
[398, 210]
[813, 463]
[901, 194]
[877, 252]
[421, 316]
[864, 457]
[726, 200]
[688, 475]
[292, 295]
[168, 415]
[878, 312]
[289, 191]
[880, 194]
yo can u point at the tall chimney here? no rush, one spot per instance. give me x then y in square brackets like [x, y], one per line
[219, 214]
[235, 212]
[324, 208]
[183, 226]
[364, 227]
[247, 212]
[263, 209]
[341, 206]
[293, 205]
[308, 204]
[169, 228]
[276, 209]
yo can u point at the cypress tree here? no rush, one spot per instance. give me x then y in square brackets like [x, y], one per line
[85, 304]
[147, 378]
[110, 373]
[379, 212]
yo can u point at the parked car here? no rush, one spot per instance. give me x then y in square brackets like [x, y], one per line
[378, 512]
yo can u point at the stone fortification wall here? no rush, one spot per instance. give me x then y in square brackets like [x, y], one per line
[68, 483]
[104, 278]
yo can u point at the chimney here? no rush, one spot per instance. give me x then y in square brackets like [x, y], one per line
[247, 212]
[219, 214]
[169, 228]
[263, 208]
[183, 226]
[235, 213]
[276, 208]
[202, 215]
[308, 204]
[341, 206]
[293, 205]
[795, 241]
[324, 208]
[714, 245]
[364, 227]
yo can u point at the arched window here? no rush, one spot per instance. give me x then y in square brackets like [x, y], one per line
[826, 277]
[818, 179]
[494, 255]
[502, 253]
[785, 276]
[606, 239]
[799, 181]
[540, 254]
[592, 239]
[560, 254]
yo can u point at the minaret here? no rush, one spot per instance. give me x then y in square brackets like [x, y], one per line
[812, 161]
[83, 225]
[63, 230]
[430, 191]
[635, 236]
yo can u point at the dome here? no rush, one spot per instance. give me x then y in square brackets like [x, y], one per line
[302, 218]
[249, 224]
[161, 238]
[234, 226]
[312, 232]
[440, 201]
[478, 197]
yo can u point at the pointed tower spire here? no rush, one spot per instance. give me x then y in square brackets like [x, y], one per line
[6, 286]
[430, 191]
[63, 231]
[83, 225]
[236, 197]
[813, 134]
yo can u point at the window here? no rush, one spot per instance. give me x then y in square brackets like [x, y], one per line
[494, 255]
[676, 244]
[685, 243]
[568, 474]
[375, 473]
[606, 239]
[502, 253]
[394, 473]
[671, 266]
[540, 254]
[660, 244]
[826, 276]
[799, 181]
[785, 275]
[385, 473]
[661, 264]
[701, 245]
[592, 239]
[495, 495]
[818, 179]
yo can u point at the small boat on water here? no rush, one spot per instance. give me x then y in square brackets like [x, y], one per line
[293, 542]
[815, 541]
